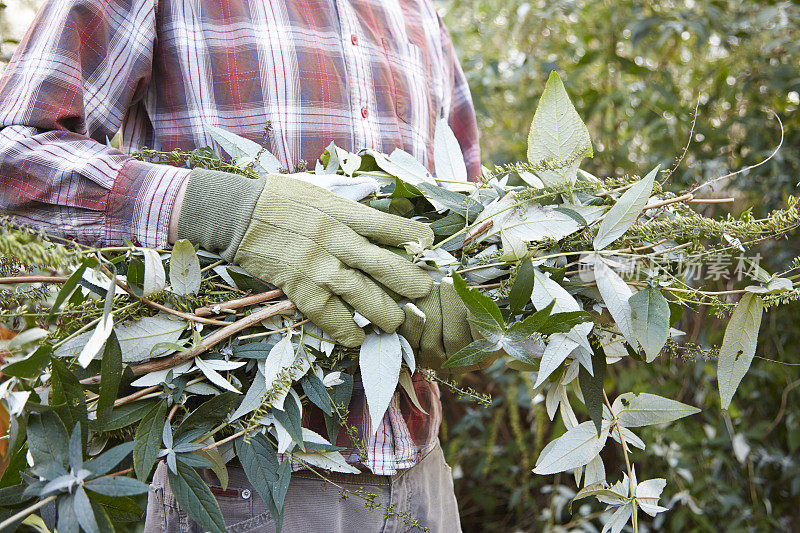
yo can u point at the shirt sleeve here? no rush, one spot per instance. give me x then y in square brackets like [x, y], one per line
[461, 115]
[66, 92]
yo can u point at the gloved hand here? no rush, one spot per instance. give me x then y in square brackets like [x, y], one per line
[436, 326]
[311, 243]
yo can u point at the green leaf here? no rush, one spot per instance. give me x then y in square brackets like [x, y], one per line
[592, 385]
[104, 523]
[124, 415]
[31, 366]
[738, 346]
[47, 441]
[194, 497]
[340, 396]
[316, 392]
[260, 465]
[481, 306]
[625, 212]
[117, 486]
[103, 463]
[68, 390]
[403, 190]
[471, 354]
[448, 225]
[70, 284]
[184, 268]
[119, 509]
[543, 323]
[650, 320]
[110, 377]
[209, 414]
[148, 440]
[522, 289]
[456, 202]
[558, 136]
[290, 419]
[135, 276]
[254, 350]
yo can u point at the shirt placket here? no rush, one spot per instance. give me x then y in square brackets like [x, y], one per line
[359, 77]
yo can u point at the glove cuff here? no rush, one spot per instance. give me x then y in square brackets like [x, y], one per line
[217, 209]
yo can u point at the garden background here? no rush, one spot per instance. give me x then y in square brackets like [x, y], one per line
[637, 72]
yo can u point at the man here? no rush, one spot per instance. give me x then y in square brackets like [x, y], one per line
[362, 73]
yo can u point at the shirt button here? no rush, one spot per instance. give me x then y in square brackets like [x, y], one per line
[246, 494]
[354, 39]
[364, 112]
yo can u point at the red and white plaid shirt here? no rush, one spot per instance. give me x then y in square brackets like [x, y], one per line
[362, 73]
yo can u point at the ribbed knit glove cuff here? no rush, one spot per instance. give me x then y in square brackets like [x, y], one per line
[217, 210]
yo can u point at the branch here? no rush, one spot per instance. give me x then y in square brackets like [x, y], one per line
[33, 279]
[215, 309]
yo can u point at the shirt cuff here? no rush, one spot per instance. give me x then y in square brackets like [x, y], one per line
[140, 203]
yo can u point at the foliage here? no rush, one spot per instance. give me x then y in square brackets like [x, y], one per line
[533, 264]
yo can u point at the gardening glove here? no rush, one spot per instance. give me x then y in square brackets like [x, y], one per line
[311, 243]
[436, 325]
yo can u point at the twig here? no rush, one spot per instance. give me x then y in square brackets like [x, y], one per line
[213, 339]
[226, 439]
[782, 408]
[751, 167]
[131, 397]
[33, 279]
[268, 333]
[25, 512]
[683, 198]
[712, 200]
[214, 309]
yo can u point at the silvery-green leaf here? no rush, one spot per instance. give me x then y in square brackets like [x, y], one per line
[555, 395]
[625, 212]
[619, 519]
[560, 177]
[252, 398]
[26, 337]
[408, 354]
[590, 213]
[599, 489]
[244, 151]
[214, 376]
[349, 162]
[575, 448]
[557, 135]
[595, 472]
[647, 494]
[281, 356]
[738, 346]
[645, 409]
[96, 340]
[221, 364]
[616, 294]
[154, 378]
[332, 379]
[558, 348]
[404, 166]
[531, 179]
[650, 320]
[202, 388]
[545, 290]
[379, 361]
[184, 269]
[332, 461]
[447, 156]
[155, 279]
[630, 437]
[360, 320]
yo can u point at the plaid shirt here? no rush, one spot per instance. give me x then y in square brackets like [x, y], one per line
[362, 73]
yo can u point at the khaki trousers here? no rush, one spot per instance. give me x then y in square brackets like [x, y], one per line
[423, 493]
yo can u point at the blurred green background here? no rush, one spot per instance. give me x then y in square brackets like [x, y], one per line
[636, 72]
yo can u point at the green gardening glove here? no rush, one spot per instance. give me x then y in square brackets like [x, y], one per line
[311, 243]
[436, 325]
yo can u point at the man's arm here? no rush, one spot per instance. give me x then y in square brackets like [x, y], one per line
[66, 90]
[176, 211]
